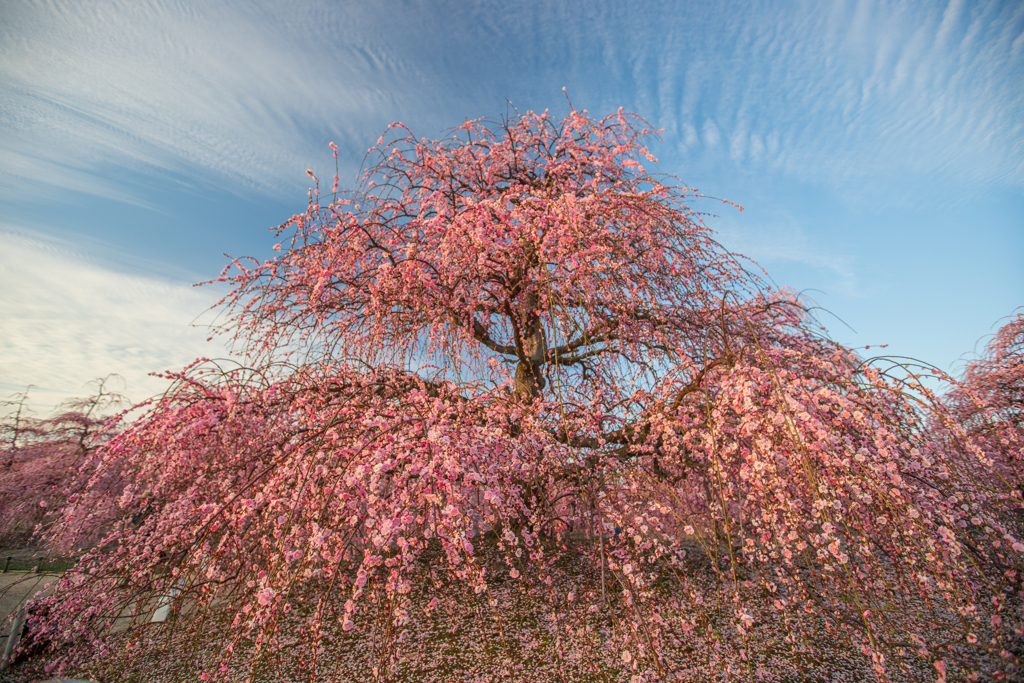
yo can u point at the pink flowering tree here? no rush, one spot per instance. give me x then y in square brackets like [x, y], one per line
[41, 458]
[989, 401]
[513, 375]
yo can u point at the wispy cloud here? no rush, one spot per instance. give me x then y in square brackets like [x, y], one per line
[249, 94]
[863, 92]
[68, 319]
[242, 94]
[782, 241]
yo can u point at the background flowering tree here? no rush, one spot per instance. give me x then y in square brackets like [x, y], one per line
[513, 376]
[989, 400]
[41, 458]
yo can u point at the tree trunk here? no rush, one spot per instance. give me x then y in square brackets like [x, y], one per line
[529, 379]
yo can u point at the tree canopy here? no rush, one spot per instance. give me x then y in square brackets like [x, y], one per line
[515, 367]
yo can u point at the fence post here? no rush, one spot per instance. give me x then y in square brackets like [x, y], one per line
[14, 637]
[7, 564]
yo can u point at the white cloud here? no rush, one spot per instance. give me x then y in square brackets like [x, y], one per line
[67, 320]
[778, 240]
[689, 135]
[864, 93]
[756, 148]
[738, 145]
[711, 133]
[228, 91]
[249, 94]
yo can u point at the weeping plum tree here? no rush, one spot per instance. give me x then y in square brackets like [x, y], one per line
[41, 458]
[513, 374]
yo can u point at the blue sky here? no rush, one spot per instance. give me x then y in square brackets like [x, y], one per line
[877, 148]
